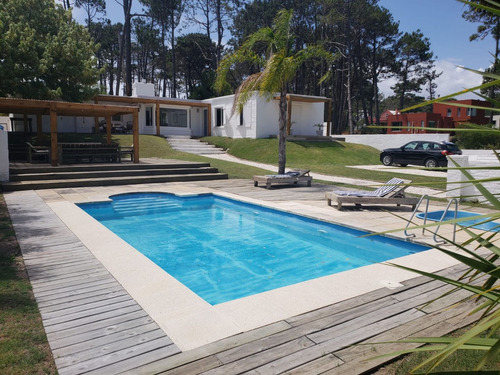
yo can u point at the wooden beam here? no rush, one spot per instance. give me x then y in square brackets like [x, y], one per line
[53, 137]
[135, 136]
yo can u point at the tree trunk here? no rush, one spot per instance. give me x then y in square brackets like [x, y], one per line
[282, 133]
[174, 67]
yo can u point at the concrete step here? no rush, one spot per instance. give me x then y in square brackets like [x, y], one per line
[193, 146]
[46, 177]
[108, 173]
[108, 181]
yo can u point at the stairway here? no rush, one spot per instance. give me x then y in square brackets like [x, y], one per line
[28, 177]
[193, 146]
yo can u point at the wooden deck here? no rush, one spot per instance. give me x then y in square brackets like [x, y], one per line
[95, 327]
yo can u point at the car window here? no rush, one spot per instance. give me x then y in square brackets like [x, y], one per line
[410, 146]
[426, 146]
[452, 147]
[436, 146]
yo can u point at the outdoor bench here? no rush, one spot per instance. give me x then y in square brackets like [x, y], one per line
[88, 152]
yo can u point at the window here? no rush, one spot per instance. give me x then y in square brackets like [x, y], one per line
[458, 112]
[116, 118]
[432, 124]
[219, 116]
[411, 146]
[396, 126]
[149, 116]
[422, 124]
[448, 112]
[471, 112]
[173, 117]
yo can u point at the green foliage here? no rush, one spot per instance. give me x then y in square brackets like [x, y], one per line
[477, 140]
[44, 53]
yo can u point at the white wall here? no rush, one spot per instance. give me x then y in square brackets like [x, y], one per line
[5, 123]
[231, 125]
[383, 141]
[457, 182]
[4, 156]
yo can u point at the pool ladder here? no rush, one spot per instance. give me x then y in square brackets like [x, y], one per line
[427, 199]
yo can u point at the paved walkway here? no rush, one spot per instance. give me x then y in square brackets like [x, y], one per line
[351, 181]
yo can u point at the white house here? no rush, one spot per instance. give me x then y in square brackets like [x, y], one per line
[197, 118]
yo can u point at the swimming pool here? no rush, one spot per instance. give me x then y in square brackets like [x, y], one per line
[472, 222]
[223, 249]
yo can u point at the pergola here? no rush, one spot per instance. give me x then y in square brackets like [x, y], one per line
[290, 98]
[57, 108]
[157, 101]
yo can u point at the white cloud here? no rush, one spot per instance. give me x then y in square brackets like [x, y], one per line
[453, 79]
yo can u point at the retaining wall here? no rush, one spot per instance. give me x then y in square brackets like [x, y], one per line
[382, 141]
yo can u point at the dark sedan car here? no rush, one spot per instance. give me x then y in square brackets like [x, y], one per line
[426, 153]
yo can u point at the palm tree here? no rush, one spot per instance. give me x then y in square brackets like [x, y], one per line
[280, 67]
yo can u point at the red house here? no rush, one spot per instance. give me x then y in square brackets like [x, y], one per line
[443, 116]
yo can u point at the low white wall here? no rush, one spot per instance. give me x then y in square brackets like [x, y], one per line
[457, 183]
[4, 156]
[383, 141]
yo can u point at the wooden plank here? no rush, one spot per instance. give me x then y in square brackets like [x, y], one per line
[206, 351]
[316, 366]
[102, 324]
[103, 364]
[47, 315]
[76, 338]
[84, 302]
[262, 358]
[87, 313]
[110, 348]
[103, 341]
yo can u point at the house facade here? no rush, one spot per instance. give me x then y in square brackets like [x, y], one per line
[444, 115]
[194, 118]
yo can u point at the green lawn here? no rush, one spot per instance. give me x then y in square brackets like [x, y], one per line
[329, 158]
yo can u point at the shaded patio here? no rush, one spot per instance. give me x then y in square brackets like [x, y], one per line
[54, 109]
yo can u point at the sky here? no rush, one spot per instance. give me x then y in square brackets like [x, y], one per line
[439, 20]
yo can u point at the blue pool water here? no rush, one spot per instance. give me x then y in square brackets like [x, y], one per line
[474, 223]
[224, 249]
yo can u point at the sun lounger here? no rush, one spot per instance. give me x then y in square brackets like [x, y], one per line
[392, 192]
[292, 177]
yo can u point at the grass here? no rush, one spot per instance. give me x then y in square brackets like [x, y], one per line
[23, 344]
[464, 360]
[322, 157]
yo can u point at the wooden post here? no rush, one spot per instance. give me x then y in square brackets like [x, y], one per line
[108, 129]
[289, 115]
[39, 129]
[135, 137]
[53, 136]
[158, 133]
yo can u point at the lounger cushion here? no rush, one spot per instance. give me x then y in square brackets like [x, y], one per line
[383, 190]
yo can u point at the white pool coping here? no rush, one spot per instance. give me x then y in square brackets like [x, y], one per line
[192, 322]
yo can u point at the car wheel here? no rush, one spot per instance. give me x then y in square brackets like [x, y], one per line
[431, 163]
[387, 160]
